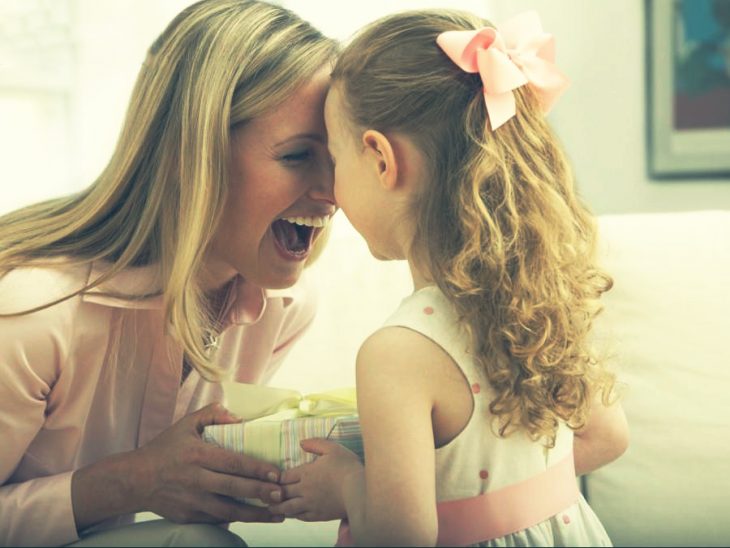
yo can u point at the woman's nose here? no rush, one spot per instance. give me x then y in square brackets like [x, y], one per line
[324, 184]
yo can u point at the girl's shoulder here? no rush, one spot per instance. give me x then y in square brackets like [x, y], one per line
[395, 357]
[395, 342]
[429, 312]
[422, 337]
[419, 301]
[420, 351]
[428, 306]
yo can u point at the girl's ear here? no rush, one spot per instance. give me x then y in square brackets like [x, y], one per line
[379, 154]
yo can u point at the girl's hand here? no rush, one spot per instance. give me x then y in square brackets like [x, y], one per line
[184, 479]
[314, 491]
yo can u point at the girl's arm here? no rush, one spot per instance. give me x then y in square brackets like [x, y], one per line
[391, 501]
[603, 439]
[394, 501]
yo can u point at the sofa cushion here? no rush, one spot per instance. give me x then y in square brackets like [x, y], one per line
[667, 330]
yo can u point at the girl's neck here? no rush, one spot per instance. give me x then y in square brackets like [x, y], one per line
[421, 277]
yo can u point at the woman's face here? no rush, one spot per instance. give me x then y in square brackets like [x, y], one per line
[280, 195]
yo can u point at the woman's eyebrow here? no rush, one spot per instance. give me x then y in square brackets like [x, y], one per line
[312, 136]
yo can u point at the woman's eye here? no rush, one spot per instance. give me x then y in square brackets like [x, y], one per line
[297, 157]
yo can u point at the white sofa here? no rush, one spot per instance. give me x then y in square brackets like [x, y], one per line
[666, 321]
[666, 326]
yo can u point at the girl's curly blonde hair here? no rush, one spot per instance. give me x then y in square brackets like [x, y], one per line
[498, 223]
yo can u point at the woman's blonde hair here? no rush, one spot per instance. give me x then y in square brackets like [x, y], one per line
[498, 222]
[218, 64]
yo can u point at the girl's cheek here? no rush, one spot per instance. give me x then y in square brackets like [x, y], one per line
[337, 191]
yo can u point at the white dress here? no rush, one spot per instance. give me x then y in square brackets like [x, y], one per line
[511, 470]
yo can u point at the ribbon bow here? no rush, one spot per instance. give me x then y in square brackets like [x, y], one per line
[250, 401]
[517, 53]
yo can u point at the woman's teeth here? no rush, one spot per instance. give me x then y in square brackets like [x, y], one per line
[318, 222]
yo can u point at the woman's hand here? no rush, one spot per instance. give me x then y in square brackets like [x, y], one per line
[188, 480]
[314, 491]
[179, 477]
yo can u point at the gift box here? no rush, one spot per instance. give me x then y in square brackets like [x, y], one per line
[276, 440]
[276, 420]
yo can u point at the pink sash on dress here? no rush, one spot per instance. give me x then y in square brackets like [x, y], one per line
[498, 513]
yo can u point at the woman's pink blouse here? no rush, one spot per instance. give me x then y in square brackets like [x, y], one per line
[96, 375]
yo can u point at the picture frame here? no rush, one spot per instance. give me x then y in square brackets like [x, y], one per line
[688, 88]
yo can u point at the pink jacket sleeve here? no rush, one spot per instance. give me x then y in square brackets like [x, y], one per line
[32, 350]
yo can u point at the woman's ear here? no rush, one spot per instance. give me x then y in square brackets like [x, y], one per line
[380, 155]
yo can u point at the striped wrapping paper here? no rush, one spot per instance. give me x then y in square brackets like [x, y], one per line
[277, 441]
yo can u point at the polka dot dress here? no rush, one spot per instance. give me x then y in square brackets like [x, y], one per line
[479, 461]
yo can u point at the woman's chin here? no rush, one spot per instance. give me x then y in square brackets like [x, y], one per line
[282, 274]
[282, 284]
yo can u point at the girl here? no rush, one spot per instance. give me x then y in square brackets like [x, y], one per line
[476, 391]
[121, 305]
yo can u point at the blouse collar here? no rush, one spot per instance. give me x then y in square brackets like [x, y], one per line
[139, 288]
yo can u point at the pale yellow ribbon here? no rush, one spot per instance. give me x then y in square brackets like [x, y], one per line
[263, 409]
[252, 401]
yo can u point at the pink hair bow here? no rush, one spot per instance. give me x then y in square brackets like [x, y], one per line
[517, 53]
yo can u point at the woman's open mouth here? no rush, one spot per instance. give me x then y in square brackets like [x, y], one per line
[294, 236]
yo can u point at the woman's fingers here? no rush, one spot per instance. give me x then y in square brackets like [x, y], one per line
[239, 488]
[293, 475]
[291, 491]
[228, 462]
[185, 479]
[214, 413]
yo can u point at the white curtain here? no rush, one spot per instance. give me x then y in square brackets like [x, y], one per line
[67, 68]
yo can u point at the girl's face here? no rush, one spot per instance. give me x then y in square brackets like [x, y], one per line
[357, 189]
[280, 194]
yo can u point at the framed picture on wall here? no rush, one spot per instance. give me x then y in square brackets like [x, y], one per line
[688, 87]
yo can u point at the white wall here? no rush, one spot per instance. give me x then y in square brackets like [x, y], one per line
[59, 120]
[601, 119]
[341, 19]
[67, 68]
[36, 64]
[111, 41]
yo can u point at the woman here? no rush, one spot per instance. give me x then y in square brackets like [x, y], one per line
[121, 305]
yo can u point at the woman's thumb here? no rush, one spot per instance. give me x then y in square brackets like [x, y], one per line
[214, 413]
